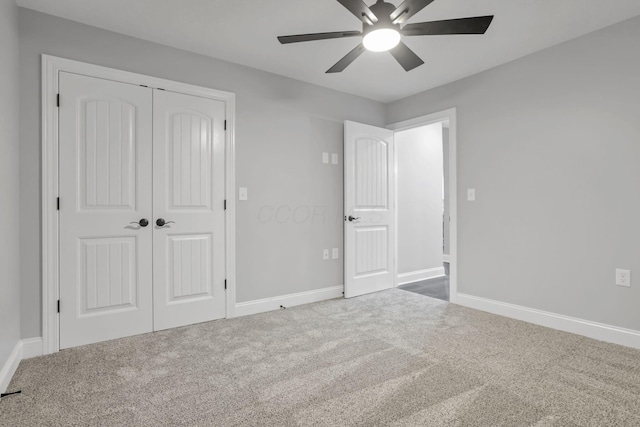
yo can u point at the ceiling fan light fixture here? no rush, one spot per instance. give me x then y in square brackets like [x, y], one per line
[383, 27]
[381, 40]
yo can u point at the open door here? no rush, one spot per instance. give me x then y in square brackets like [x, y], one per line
[369, 209]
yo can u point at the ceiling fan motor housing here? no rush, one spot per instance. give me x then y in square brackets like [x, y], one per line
[382, 10]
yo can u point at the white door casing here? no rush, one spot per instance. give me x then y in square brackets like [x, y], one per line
[105, 188]
[369, 195]
[189, 188]
[449, 115]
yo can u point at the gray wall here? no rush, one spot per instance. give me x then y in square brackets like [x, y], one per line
[9, 182]
[419, 182]
[551, 142]
[283, 126]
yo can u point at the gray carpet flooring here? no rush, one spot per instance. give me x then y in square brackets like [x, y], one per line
[393, 358]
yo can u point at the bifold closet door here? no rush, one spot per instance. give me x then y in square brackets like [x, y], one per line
[105, 147]
[188, 206]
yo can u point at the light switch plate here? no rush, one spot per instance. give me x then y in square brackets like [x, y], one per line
[325, 158]
[334, 158]
[471, 194]
[242, 193]
[336, 253]
[325, 254]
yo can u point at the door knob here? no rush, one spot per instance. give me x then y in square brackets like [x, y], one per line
[142, 223]
[160, 222]
[351, 218]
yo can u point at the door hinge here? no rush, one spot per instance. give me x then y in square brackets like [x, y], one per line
[58, 306]
[225, 284]
[225, 125]
[225, 204]
[57, 100]
[58, 203]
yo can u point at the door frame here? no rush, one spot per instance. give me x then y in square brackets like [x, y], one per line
[51, 67]
[451, 116]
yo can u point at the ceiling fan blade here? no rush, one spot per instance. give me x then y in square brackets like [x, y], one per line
[407, 9]
[406, 57]
[347, 60]
[476, 25]
[360, 10]
[317, 36]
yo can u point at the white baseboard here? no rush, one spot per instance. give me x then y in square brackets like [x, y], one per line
[31, 347]
[420, 275]
[10, 366]
[24, 349]
[446, 258]
[587, 328]
[270, 304]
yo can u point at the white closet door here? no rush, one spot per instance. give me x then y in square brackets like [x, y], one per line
[188, 176]
[369, 209]
[105, 190]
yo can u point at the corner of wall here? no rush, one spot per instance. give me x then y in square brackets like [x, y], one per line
[10, 346]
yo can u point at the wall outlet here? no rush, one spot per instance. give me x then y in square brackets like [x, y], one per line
[334, 158]
[325, 254]
[471, 194]
[623, 278]
[336, 254]
[243, 193]
[325, 158]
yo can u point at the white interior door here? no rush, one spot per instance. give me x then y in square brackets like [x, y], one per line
[369, 209]
[188, 176]
[105, 189]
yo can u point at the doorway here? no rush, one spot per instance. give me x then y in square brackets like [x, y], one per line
[371, 223]
[423, 213]
[140, 235]
[444, 131]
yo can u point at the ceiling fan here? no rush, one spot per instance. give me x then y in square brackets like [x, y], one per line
[382, 30]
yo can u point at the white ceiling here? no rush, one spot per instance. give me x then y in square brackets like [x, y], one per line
[244, 32]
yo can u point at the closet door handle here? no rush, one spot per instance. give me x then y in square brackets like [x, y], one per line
[142, 223]
[161, 222]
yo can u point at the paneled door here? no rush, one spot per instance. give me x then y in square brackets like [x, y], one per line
[369, 209]
[188, 207]
[105, 210]
[142, 225]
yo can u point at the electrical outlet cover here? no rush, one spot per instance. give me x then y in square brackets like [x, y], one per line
[623, 277]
